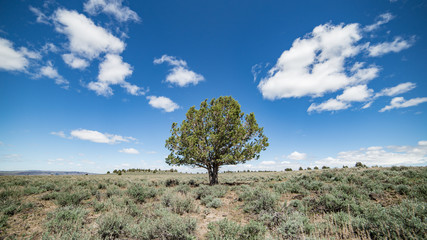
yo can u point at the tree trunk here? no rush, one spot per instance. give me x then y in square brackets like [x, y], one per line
[213, 175]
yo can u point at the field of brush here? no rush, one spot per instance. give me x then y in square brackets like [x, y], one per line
[353, 203]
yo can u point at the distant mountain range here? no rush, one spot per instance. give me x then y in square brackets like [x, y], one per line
[40, 172]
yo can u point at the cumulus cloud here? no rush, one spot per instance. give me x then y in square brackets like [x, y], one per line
[111, 7]
[330, 105]
[51, 72]
[382, 19]
[397, 45]
[358, 93]
[10, 58]
[396, 90]
[400, 102]
[390, 92]
[179, 74]
[162, 103]
[85, 38]
[297, 156]
[129, 151]
[382, 156]
[315, 64]
[75, 62]
[321, 63]
[113, 71]
[98, 137]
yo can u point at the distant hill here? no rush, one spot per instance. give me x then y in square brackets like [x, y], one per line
[39, 172]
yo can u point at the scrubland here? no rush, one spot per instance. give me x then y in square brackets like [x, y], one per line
[352, 203]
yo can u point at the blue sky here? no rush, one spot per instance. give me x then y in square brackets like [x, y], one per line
[95, 85]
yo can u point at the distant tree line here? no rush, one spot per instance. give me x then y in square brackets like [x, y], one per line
[130, 170]
[121, 171]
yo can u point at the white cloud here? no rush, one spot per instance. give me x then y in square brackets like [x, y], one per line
[98, 137]
[179, 74]
[397, 45]
[29, 54]
[11, 59]
[162, 103]
[268, 163]
[113, 71]
[391, 155]
[59, 134]
[75, 62]
[112, 7]
[396, 90]
[367, 105]
[330, 105]
[382, 19]
[400, 102]
[41, 17]
[358, 93]
[85, 38]
[51, 72]
[129, 151]
[315, 64]
[297, 156]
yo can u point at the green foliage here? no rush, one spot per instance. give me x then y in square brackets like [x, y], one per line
[226, 229]
[71, 198]
[65, 220]
[112, 226]
[211, 202]
[209, 195]
[294, 226]
[165, 225]
[171, 182]
[178, 203]
[259, 199]
[217, 134]
[214, 191]
[352, 203]
[141, 193]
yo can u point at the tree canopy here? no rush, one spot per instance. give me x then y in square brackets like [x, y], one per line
[216, 134]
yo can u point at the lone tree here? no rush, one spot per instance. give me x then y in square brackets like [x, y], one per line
[217, 134]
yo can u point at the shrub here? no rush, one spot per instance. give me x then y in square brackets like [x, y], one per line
[140, 193]
[214, 191]
[214, 203]
[402, 189]
[171, 182]
[113, 191]
[178, 203]
[259, 199]
[67, 199]
[112, 226]
[223, 229]
[294, 226]
[184, 189]
[65, 220]
[98, 206]
[253, 231]
[166, 226]
[3, 222]
[226, 229]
